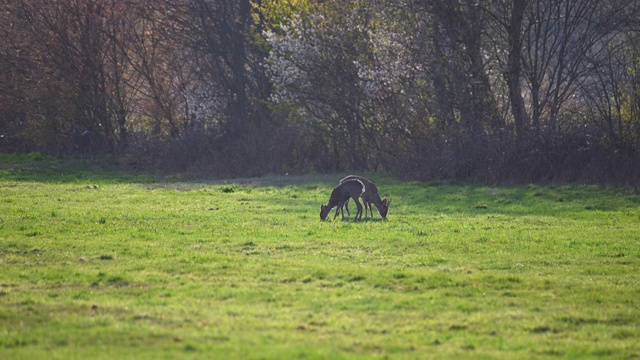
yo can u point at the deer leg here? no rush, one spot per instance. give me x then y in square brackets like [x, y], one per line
[359, 213]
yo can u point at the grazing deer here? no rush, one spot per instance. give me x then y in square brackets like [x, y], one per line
[369, 196]
[351, 189]
[82, 141]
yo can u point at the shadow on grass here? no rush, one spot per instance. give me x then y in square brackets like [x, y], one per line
[34, 167]
[532, 199]
[367, 220]
[409, 197]
[353, 220]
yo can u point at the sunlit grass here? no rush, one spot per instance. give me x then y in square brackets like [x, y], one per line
[98, 264]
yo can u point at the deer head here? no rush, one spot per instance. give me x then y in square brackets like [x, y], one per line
[385, 208]
[324, 212]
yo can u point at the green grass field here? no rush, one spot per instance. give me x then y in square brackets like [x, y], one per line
[98, 264]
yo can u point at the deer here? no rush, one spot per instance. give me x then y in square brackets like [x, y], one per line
[350, 189]
[82, 141]
[369, 196]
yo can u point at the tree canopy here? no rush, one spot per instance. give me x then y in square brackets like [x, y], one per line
[492, 91]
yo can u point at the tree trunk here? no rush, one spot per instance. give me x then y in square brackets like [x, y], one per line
[514, 71]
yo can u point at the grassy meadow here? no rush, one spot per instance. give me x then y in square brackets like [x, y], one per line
[99, 264]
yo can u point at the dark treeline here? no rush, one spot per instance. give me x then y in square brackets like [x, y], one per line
[492, 91]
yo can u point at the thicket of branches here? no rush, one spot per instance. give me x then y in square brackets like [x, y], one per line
[493, 91]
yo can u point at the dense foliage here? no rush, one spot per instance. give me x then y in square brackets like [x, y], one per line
[493, 91]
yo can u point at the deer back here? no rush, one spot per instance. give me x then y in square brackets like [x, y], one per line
[370, 186]
[348, 189]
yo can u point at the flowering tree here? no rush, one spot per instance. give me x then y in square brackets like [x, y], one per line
[343, 72]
